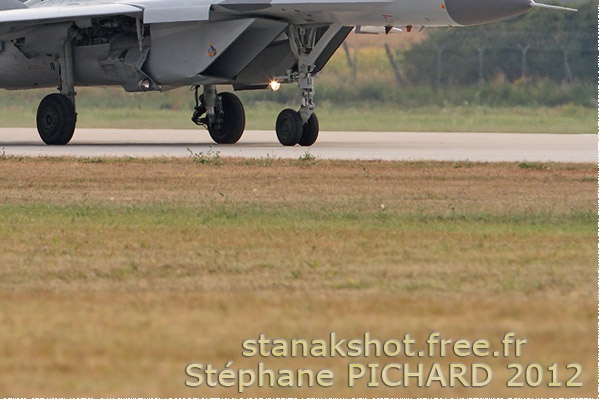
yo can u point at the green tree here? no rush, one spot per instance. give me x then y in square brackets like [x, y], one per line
[557, 45]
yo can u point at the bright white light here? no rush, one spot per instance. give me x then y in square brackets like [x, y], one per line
[145, 84]
[274, 85]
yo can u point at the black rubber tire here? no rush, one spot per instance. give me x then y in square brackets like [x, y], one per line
[289, 127]
[56, 119]
[230, 124]
[310, 131]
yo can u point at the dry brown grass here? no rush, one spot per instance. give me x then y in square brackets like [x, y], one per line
[430, 187]
[116, 274]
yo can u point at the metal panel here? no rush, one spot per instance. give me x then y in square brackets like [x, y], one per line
[175, 11]
[117, 63]
[181, 51]
[245, 49]
[277, 58]
[41, 15]
[45, 39]
[18, 72]
[476, 12]
[11, 5]
[272, 62]
[332, 45]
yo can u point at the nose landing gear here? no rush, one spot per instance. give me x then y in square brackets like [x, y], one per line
[299, 127]
[307, 43]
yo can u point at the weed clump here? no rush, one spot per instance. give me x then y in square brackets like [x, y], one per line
[210, 157]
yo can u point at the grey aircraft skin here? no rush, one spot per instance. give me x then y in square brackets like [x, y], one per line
[150, 45]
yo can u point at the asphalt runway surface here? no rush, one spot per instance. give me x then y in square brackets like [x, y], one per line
[514, 147]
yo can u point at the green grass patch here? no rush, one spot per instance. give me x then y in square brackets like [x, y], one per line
[211, 223]
[113, 108]
[84, 245]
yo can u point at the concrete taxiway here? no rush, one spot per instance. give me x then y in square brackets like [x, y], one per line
[517, 147]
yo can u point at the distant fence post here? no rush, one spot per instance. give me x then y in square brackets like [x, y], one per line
[397, 74]
[568, 72]
[440, 51]
[480, 51]
[524, 50]
[351, 63]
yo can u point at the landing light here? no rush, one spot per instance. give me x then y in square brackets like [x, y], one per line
[274, 85]
[145, 84]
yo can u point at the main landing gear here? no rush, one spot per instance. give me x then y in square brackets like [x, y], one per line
[224, 115]
[56, 119]
[56, 115]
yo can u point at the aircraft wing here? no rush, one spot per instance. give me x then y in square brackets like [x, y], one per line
[150, 11]
[57, 14]
[345, 12]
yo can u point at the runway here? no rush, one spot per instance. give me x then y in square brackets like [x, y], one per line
[517, 147]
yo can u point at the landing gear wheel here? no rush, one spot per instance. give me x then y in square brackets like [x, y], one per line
[289, 127]
[56, 119]
[230, 122]
[310, 131]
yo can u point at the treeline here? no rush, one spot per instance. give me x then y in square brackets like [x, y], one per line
[560, 46]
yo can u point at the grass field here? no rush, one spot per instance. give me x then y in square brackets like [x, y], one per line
[115, 274]
[113, 108]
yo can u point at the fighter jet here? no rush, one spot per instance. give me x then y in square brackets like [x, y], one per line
[154, 45]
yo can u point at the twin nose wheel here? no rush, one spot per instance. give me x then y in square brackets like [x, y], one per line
[291, 130]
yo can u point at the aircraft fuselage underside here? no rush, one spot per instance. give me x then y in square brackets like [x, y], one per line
[171, 55]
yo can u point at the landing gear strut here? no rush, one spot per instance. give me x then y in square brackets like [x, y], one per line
[224, 115]
[306, 44]
[292, 127]
[56, 115]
